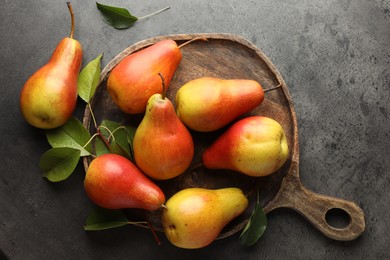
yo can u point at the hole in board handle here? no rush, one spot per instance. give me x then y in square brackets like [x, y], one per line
[337, 218]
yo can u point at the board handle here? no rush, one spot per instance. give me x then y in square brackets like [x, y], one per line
[314, 207]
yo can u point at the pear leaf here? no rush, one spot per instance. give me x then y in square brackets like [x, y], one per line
[117, 17]
[59, 163]
[116, 148]
[117, 136]
[255, 227]
[130, 137]
[101, 218]
[89, 79]
[100, 147]
[72, 135]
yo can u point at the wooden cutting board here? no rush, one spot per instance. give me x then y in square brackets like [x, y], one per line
[230, 56]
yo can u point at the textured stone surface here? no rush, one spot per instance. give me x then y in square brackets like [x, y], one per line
[333, 55]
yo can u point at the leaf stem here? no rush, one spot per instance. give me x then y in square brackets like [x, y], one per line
[92, 115]
[109, 131]
[90, 139]
[107, 142]
[71, 19]
[154, 233]
[159, 11]
[116, 129]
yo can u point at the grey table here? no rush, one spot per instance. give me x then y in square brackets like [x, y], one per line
[333, 55]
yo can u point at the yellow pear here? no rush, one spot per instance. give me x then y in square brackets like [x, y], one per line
[207, 104]
[255, 146]
[49, 96]
[194, 217]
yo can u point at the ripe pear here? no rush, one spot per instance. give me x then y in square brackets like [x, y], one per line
[194, 217]
[135, 79]
[163, 147]
[255, 146]
[207, 104]
[49, 96]
[114, 182]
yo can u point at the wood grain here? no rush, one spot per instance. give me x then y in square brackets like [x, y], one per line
[231, 56]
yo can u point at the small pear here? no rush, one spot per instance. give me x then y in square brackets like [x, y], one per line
[114, 182]
[255, 146]
[163, 147]
[135, 79]
[49, 96]
[194, 217]
[207, 104]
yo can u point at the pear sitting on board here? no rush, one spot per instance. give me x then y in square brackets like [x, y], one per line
[207, 104]
[135, 79]
[194, 217]
[114, 182]
[163, 147]
[255, 146]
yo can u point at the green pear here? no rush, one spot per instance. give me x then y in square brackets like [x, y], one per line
[255, 146]
[163, 147]
[114, 182]
[194, 217]
[49, 96]
[207, 104]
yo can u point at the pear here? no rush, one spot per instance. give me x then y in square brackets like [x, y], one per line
[255, 146]
[163, 147]
[207, 104]
[194, 217]
[114, 182]
[135, 79]
[49, 96]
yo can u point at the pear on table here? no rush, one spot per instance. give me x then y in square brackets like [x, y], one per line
[163, 147]
[49, 96]
[114, 182]
[135, 79]
[207, 104]
[255, 146]
[194, 217]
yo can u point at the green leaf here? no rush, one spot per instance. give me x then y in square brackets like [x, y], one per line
[89, 79]
[119, 140]
[100, 218]
[130, 137]
[58, 164]
[255, 227]
[100, 147]
[116, 148]
[117, 17]
[72, 135]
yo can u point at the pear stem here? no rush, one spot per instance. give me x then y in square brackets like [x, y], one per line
[159, 11]
[71, 19]
[164, 90]
[273, 88]
[192, 40]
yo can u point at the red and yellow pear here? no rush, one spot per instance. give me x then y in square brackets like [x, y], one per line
[114, 182]
[163, 147]
[207, 104]
[135, 79]
[194, 217]
[49, 96]
[255, 146]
